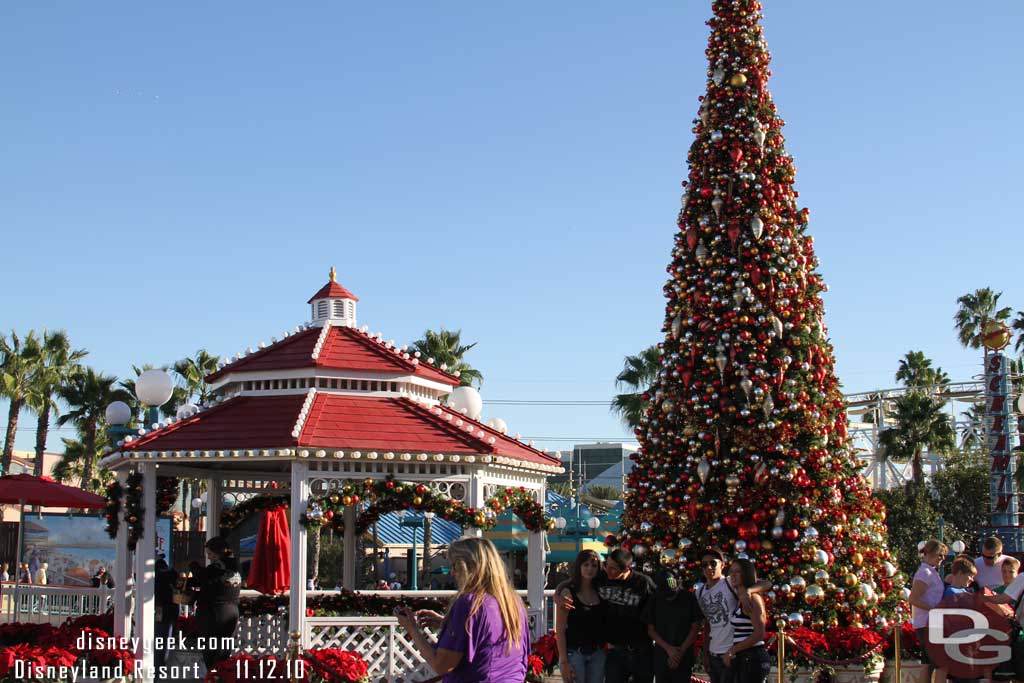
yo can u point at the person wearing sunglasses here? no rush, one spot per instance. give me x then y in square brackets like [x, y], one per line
[990, 563]
[718, 601]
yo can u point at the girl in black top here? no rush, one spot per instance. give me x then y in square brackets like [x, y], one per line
[217, 606]
[580, 630]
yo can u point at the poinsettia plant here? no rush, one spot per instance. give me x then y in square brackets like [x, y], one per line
[543, 657]
[910, 646]
[331, 665]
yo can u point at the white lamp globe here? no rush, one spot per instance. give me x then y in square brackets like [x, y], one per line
[154, 387]
[594, 522]
[560, 523]
[498, 425]
[466, 400]
[958, 547]
[186, 411]
[197, 503]
[118, 413]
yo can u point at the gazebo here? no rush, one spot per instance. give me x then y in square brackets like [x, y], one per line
[327, 409]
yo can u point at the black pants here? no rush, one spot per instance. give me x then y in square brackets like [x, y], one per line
[623, 664]
[681, 674]
[718, 671]
[162, 631]
[217, 620]
[751, 665]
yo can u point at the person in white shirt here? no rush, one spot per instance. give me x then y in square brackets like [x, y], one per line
[5, 572]
[989, 564]
[925, 593]
[40, 578]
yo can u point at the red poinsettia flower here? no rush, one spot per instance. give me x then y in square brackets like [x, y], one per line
[337, 666]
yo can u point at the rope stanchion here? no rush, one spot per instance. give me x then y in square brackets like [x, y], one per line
[780, 649]
[897, 646]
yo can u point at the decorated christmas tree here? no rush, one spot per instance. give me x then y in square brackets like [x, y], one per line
[744, 444]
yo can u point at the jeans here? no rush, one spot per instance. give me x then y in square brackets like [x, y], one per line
[622, 664]
[752, 665]
[681, 674]
[589, 668]
[719, 672]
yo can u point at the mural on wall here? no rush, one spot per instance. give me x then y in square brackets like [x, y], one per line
[75, 546]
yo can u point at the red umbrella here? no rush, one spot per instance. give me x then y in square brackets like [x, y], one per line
[271, 567]
[43, 491]
[25, 489]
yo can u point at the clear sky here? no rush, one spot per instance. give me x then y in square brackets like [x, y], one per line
[182, 175]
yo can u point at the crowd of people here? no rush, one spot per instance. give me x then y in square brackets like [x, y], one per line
[992, 574]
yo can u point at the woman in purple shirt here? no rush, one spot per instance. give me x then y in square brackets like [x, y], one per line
[484, 637]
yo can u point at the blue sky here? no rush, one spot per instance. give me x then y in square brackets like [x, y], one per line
[182, 175]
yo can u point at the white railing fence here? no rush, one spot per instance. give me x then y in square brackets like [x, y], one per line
[52, 604]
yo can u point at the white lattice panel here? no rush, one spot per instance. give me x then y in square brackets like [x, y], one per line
[263, 634]
[389, 652]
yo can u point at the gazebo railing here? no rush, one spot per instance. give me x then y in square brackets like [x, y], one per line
[52, 604]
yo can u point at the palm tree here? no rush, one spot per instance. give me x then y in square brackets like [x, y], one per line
[19, 359]
[637, 376]
[972, 434]
[975, 310]
[57, 363]
[921, 423]
[445, 349]
[193, 371]
[916, 372]
[88, 393]
[1018, 326]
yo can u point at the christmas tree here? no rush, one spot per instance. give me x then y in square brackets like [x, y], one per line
[744, 444]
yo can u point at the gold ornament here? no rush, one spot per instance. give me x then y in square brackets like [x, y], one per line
[346, 500]
[856, 559]
[850, 580]
[417, 501]
[334, 498]
[738, 80]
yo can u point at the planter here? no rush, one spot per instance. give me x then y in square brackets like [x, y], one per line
[911, 671]
[797, 676]
[856, 674]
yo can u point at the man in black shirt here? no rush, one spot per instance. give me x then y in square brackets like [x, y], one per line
[674, 618]
[625, 594]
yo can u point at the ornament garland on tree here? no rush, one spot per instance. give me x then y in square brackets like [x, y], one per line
[167, 491]
[744, 443]
[131, 497]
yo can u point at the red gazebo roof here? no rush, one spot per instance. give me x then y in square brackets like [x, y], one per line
[343, 348]
[335, 421]
[332, 290]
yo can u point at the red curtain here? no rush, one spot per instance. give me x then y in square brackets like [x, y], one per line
[270, 572]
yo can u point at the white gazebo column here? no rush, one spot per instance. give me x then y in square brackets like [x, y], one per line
[348, 549]
[121, 570]
[535, 557]
[297, 593]
[145, 571]
[476, 500]
[214, 502]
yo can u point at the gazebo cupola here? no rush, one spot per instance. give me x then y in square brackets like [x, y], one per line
[334, 304]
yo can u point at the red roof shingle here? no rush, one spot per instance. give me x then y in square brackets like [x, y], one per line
[332, 290]
[336, 421]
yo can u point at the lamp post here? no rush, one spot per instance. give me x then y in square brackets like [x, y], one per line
[415, 522]
[579, 528]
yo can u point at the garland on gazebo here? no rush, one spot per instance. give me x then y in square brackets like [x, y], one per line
[130, 498]
[389, 495]
[231, 518]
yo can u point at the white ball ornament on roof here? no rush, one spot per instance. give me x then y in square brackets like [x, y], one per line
[154, 387]
[466, 400]
[186, 411]
[498, 425]
[118, 413]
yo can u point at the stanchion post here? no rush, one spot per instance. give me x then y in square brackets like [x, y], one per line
[293, 655]
[780, 649]
[897, 637]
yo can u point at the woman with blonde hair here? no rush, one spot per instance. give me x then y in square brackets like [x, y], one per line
[925, 593]
[484, 637]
